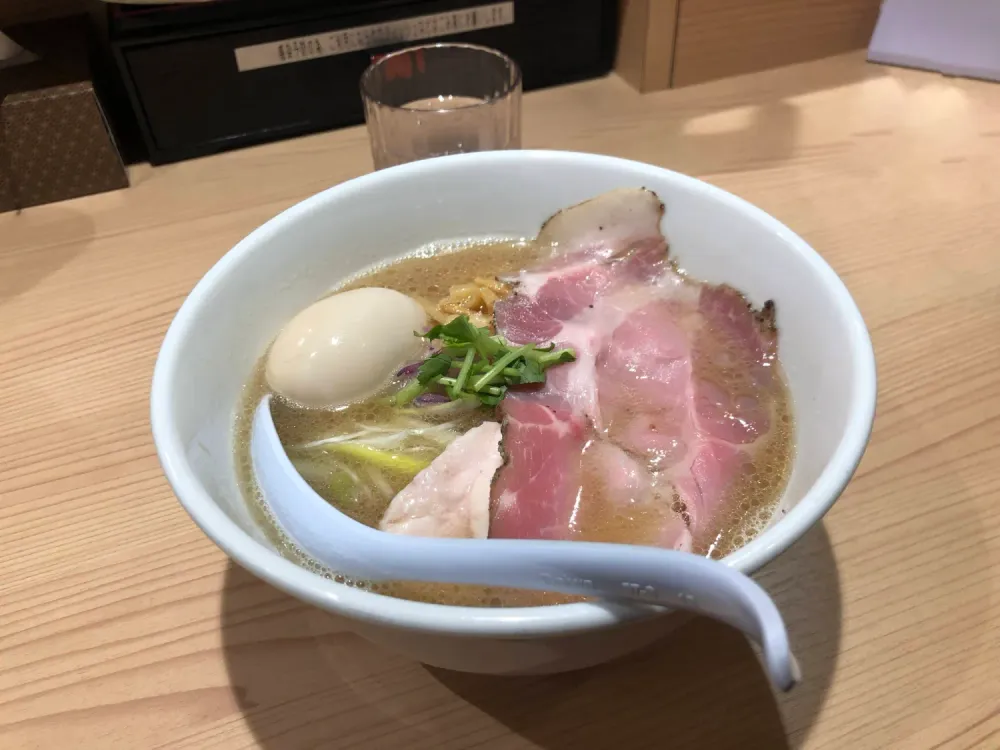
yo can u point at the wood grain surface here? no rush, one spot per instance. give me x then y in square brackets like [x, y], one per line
[122, 626]
[719, 38]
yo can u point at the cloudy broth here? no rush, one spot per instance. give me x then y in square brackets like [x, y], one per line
[428, 275]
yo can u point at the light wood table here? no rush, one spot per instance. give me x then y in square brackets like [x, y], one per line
[122, 626]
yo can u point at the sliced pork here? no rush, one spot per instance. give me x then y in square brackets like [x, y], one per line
[451, 497]
[658, 402]
[543, 442]
[645, 436]
[599, 245]
[607, 225]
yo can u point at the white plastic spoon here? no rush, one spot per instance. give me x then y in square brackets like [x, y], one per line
[612, 571]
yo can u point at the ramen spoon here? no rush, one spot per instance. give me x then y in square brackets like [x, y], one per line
[614, 572]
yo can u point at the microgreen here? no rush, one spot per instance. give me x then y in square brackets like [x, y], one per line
[474, 365]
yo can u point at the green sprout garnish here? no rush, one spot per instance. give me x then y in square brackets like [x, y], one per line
[473, 365]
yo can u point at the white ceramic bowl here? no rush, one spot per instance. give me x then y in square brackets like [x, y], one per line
[233, 313]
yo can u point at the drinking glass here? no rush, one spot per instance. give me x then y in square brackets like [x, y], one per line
[439, 99]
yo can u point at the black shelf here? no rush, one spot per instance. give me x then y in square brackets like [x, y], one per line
[179, 66]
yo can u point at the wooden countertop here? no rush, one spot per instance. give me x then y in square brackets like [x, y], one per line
[122, 626]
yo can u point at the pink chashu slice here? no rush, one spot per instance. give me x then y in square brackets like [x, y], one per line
[633, 416]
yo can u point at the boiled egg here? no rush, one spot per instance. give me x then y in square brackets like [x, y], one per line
[345, 347]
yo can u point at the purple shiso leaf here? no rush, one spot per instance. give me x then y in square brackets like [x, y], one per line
[409, 371]
[426, 399]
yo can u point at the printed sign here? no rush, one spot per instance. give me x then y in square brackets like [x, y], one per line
[359, 38]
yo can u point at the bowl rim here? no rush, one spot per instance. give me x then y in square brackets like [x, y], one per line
[524, 622]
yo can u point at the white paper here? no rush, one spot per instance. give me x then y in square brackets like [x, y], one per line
[954, 37]
[338, 42]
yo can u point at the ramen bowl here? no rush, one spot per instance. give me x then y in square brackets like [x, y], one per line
[234, 312]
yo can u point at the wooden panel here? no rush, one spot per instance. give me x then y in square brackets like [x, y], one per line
[646, 42]
[660, 38]
[630, 59]
[718, 38]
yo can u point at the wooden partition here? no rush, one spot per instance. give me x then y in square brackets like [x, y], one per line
[671, 43]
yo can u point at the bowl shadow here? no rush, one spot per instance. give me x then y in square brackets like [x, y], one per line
[303, 680]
